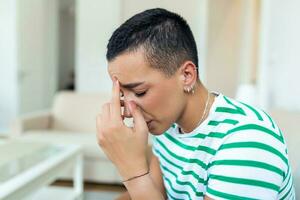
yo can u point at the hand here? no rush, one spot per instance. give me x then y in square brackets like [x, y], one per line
[125, 146]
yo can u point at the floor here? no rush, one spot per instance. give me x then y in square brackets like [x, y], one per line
[95, 191]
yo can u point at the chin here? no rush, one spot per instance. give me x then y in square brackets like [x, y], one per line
[157, 130]
[156, 133]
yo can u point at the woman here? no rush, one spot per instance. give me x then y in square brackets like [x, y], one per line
[206, 145]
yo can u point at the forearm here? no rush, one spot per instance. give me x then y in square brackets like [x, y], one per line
[143, 188]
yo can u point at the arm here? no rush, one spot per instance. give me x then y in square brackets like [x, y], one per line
[155, 175]
[126, 146]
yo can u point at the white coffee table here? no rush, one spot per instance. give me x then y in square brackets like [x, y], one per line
[28, 168]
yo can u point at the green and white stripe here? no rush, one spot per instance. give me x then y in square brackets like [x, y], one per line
[238, 152]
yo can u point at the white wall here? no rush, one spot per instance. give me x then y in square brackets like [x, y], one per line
[28, 57]
[279, 56]
[95, 22]
[8, 63]
[66, 42]
[37, 27]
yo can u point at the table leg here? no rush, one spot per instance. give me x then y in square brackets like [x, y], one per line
[78, 177]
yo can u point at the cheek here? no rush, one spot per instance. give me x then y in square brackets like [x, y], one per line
[160, 103]
[147, 103]
[150, 103]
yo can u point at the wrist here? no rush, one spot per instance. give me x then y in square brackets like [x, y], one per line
[137, 182]
[143, 188]
[134, 170]
[136, 177]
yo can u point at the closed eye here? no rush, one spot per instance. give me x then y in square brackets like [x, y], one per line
[140, 94]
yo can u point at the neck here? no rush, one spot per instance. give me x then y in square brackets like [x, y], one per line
[195, 108]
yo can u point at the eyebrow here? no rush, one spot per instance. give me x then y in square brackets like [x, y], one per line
[131, 85]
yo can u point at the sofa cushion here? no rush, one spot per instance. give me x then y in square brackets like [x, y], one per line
[88, 141]
[77, 112]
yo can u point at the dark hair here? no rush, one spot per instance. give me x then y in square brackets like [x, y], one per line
[165, 37]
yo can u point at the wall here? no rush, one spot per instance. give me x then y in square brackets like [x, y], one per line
[27, 57]
[223, 45]
[8, 63]
[279, 55]
[37, 27]
[67, 23]
[232, 38]
[95, 22]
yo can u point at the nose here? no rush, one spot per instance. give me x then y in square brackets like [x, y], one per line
[130, 96]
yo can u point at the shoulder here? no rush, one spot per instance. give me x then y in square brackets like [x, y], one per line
[244, 113]
[251, 129]
[252, 155]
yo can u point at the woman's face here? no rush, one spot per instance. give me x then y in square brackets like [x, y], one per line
[160, 98]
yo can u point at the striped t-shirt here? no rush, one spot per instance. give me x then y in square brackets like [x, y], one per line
[238, 152]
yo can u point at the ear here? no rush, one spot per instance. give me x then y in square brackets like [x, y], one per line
[188, 74]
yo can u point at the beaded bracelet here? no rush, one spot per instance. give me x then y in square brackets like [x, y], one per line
[136, 177]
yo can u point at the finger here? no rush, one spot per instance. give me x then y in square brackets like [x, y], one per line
[98, 123]
[99, 133]
[105, 115]
[115, 102]
[139, 122]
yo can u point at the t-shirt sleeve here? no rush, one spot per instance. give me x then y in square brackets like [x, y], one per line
[251, 165]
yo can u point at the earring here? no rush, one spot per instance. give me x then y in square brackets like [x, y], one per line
[186, 89]
[193, 89]
[190, 89]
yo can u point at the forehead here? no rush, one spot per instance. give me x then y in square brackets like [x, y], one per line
[132, 67]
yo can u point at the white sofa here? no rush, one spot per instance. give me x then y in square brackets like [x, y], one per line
[72, 120]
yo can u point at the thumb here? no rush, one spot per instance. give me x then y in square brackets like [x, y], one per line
[138, 118]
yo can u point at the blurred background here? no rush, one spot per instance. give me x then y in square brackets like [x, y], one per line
[248, 49]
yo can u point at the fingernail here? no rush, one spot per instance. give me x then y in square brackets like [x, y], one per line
[115, 80]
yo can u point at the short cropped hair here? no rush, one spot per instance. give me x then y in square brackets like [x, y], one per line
[165, 37]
